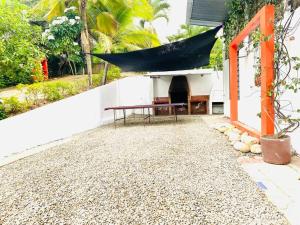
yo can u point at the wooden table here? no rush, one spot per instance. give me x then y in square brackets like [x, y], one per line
[143, 107]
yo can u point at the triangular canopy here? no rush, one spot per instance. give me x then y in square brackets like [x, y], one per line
[190, 53]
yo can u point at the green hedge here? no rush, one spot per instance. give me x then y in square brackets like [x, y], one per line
[38, 94]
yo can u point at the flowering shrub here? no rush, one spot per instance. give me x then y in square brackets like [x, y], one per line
[61, 38]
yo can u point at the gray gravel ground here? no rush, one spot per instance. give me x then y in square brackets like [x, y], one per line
[164, 173]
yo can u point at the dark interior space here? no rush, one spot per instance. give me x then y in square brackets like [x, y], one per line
[178, 92]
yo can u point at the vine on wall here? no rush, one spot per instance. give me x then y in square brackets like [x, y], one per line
[240, 13]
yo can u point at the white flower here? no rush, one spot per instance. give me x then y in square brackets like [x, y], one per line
[77, 17]
[75, 43]
[72, 21]
[70, 9]
[64, 18]
[44, 34]
[51, 37]
[55, 22]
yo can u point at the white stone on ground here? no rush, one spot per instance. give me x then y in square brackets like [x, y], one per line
[163, 173]
[256, 148]
[242, 147]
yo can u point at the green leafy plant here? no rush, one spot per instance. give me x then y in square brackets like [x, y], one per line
[3, 114]
[13, 105]
[61, 38]
[33, 93]
[20, 54]
[240, 13]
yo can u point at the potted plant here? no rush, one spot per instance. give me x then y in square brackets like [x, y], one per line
[276, 149]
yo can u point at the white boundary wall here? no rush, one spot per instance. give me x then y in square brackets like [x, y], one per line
[72, 115]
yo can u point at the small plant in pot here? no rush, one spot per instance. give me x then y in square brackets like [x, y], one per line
[276, 149]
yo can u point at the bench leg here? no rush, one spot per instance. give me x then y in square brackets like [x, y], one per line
[124, 114]
[115, 118]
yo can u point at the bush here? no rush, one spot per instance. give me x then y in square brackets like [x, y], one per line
[114, 73]
[13, 105]
[20, 54]
[51, 92]
[54, 91]
[33, 93]
[3, 114]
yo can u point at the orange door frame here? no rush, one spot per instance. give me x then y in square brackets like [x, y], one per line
[265, 20]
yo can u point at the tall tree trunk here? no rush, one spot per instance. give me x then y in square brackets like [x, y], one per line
[104, 78]
[85, 42]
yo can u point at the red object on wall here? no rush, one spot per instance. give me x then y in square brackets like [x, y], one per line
[45, 69]
[264, 19]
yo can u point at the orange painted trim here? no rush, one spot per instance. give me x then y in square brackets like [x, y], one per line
[245, 128]
[265, 20]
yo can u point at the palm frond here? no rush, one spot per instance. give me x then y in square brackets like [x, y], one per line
[107, 24]
[161, 15]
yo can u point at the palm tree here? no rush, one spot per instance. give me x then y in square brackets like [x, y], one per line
[187, 31]
[85, 40]
[160, 10]
[114, 28]
[110, 23]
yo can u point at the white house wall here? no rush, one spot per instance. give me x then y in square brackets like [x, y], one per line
[161, 86]
[199, 85]
[249, 97]
[226, 88]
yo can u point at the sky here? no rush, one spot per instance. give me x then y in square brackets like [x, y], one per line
[177, 16]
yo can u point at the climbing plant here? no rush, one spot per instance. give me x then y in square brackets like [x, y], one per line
[285, 66]
[240, 13]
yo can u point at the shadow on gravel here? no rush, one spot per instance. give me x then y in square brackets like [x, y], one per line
[139, 121]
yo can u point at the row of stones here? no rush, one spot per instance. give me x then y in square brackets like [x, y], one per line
[242, 142]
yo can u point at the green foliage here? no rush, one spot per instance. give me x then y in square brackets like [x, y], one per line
[20, 54]
[240, 13]
[3, 114]
[112, 25]
[13, 105]
[156, 9]
[187, 31]
[114, 73]
[58, 90]
[38, 94]
[61, 38]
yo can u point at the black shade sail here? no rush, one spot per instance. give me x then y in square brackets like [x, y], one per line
[187, 54]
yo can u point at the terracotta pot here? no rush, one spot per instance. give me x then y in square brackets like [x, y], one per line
[276, 150]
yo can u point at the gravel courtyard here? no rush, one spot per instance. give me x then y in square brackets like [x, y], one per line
[163, 173]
